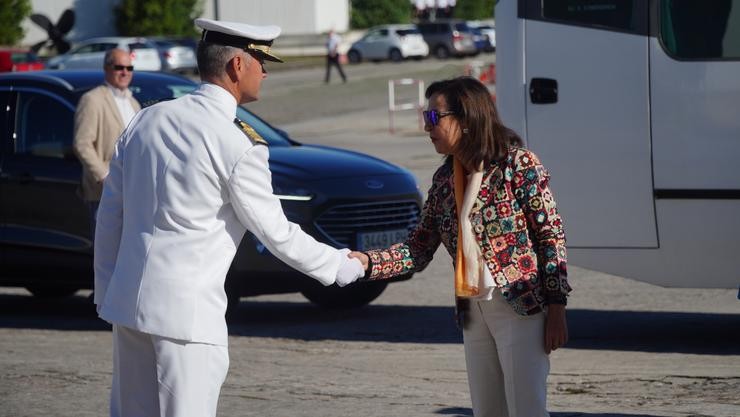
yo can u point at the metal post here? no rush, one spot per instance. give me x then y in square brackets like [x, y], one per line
[391, 104]
[417, 105]
[420, 105]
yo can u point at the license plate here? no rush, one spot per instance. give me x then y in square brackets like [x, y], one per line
[377, 240]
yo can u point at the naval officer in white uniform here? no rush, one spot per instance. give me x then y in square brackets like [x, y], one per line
[186, 182]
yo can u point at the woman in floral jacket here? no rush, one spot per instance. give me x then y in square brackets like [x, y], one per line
[490, 205]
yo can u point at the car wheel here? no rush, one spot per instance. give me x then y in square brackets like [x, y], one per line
[52, 290]
[354, 57]
[395, 55]
[351, 296]
[441, 52]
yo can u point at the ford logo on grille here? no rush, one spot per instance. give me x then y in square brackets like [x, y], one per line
[374, 184]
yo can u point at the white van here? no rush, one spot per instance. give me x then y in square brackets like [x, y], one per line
[634, 107]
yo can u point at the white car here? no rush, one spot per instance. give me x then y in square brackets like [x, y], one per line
[392, 42]
[177, 54]
[90, 54]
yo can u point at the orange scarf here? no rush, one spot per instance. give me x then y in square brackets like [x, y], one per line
[462, 287]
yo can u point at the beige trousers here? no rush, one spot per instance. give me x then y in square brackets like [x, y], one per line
[506, 360]
[157, 376]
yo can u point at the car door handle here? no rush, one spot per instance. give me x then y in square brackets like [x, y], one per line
[543, 91]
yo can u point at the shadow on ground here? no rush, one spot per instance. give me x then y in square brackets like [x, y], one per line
[467, 412]
[697, 333]
[572, 414]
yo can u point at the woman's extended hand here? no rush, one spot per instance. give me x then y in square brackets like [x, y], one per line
[556, 328]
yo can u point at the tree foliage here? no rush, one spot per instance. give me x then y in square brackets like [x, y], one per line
[474, 9]
[367, 13]
[157, 17]
[12, 13]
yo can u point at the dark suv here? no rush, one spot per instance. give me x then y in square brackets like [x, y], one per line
[342, 198]
[447, 37]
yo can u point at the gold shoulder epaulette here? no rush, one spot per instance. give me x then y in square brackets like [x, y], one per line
[250, 132]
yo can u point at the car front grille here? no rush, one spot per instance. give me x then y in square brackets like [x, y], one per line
[342, 223]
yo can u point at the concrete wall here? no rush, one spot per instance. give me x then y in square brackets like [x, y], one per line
[296, 17]
[92, 18]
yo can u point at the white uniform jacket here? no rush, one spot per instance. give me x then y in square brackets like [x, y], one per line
[185, 184]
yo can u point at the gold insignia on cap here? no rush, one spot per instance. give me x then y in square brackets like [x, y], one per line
[265, 50]
[261, 48]
[250, 132]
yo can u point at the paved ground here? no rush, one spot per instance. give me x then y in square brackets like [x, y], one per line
[636, 350]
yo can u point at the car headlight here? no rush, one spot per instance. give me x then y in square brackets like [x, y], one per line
[292, 193]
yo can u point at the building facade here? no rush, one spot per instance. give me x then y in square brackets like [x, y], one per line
[296, 17]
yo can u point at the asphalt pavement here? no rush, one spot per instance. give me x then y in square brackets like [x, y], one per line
[635, 350]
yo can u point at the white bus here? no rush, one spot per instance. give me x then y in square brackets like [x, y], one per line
[634, 107]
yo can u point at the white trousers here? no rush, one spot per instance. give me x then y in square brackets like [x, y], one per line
[506, 360]
[157, 376]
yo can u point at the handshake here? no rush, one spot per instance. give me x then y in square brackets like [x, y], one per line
[352, 267]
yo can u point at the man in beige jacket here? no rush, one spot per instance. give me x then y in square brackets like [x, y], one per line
[101, 116]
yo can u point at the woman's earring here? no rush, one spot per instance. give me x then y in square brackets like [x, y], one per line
[465, 130]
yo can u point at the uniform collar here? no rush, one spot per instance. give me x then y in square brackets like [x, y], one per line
[224, 100]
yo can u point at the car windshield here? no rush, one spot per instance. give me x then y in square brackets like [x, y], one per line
[462, 27]
[151, 91]
[185, 42]
[21, 57]
[269, 133]
[165, 44]
[404, 32]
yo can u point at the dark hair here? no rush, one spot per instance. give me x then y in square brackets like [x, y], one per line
[487, 140]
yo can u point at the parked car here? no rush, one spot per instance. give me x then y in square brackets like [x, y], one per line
[486, 30]
[12, 59]
[448, 37]
[184, 41]
[479, 40]
[90, 54]
[342, 198]
[392, 42]
[177, 54]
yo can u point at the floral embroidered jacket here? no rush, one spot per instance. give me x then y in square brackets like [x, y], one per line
[516, 225]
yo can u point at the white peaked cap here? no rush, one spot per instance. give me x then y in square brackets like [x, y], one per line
[251, 38]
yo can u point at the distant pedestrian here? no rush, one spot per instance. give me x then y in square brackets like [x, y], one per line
[332, 56]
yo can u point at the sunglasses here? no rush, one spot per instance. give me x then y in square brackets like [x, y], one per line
[129, 68]
[260, 59]
[431, 117]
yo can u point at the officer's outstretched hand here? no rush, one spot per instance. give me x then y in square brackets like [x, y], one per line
[362, 257]
[350, 270]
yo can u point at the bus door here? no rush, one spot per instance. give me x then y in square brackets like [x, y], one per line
[695, 75]
[587, 115]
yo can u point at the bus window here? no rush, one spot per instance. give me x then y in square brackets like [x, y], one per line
[612, 14]
[694, 30]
